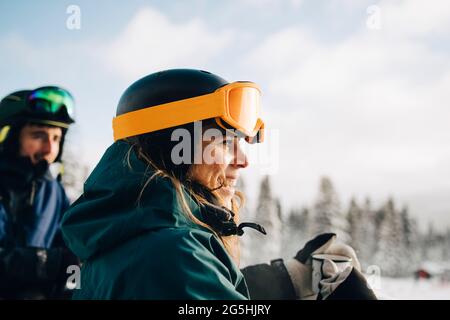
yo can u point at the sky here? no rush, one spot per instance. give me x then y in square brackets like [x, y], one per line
[352, 89]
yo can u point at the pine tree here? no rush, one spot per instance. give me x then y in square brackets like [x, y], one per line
[327, 212]
[411, 242]
[75, 173]
[267, 247]
[391, 252]
[432, 243]
[246, 238]
[354, 225]
[367, 245]
[295, 232]
[446, 246]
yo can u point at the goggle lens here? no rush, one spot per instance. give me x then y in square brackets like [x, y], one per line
[52, 100]
[244, 106]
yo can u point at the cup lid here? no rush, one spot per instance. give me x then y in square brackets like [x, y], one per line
[333, 257]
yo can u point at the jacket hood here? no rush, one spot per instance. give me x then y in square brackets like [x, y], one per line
[108, 213]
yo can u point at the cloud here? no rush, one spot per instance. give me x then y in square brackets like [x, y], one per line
[57, 61]
[152, 42]
[264, 4]
[416, 18]
[371, 111]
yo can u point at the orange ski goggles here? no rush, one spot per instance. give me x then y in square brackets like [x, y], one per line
[233, 106]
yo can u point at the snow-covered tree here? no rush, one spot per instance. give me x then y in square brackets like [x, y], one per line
[435, 245]
[411, 241]
[446, 246]
[367, 242]
[296, 231]
[328, 216]
[266, 247]
[245, 240]
[353, 219]
[391, 252]
[75, 172]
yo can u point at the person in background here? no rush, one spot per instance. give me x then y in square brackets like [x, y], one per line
[33, 256]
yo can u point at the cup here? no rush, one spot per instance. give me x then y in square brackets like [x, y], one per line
[318, 271]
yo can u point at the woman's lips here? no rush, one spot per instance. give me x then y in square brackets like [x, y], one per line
[230, 187]
[232, 181]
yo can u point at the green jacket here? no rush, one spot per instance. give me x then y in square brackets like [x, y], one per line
[146, 249]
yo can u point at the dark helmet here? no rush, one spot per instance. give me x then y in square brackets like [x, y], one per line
[168, 86]
[50, 105]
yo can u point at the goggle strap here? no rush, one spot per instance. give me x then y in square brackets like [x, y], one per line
[167, 115]
[52, 123]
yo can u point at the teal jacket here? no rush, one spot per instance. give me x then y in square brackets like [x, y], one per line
[147, 249]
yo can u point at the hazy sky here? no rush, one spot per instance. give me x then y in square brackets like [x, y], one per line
[356, 90]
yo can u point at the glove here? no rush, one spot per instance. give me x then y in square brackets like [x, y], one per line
[35, 265]
[300, 271]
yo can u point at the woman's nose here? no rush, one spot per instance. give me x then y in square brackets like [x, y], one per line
[240, 158]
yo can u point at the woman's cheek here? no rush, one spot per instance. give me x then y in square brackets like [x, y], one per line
[228, 157]
[219, 156]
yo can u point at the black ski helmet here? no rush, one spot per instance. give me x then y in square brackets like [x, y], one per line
[168, 86]
[18, 108]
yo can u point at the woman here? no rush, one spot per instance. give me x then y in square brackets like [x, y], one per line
[159, 215]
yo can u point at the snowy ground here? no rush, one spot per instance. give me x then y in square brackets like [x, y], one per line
[410, 289]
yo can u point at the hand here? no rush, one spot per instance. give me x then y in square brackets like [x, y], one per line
[300, 268]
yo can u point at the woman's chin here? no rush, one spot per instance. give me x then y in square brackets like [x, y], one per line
[227, 194]
[228, 191]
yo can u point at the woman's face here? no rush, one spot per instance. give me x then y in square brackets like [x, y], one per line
[222, 160]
